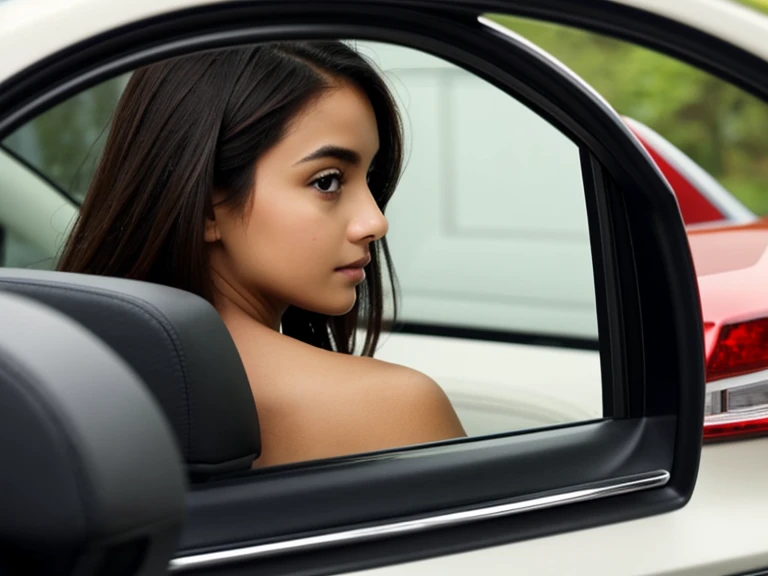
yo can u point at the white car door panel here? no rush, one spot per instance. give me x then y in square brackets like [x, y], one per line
[497, 387]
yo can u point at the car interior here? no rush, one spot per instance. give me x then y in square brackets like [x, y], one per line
[114, 330]
[544, 243]
[178, 345]
[83, 489]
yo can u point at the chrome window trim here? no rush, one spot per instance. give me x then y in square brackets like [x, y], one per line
[605, 489]
[504, 31]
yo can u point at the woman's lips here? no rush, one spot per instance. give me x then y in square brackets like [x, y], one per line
[357, 274]
[356, 269]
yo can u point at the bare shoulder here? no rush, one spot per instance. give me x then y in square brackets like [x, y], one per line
[315, 403]
[355, 405]
[410, 407]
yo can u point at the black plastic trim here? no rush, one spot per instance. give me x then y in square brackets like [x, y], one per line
[445, 542]
[607, 288]
[300, 500]
[607, 488]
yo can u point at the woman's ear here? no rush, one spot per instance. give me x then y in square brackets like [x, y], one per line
[212, 232]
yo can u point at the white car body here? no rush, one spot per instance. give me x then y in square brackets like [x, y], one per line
[494, 386]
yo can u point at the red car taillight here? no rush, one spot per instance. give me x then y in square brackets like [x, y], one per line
[741, 349]
[737, 382]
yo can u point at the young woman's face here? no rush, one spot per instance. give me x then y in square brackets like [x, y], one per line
[307, 228]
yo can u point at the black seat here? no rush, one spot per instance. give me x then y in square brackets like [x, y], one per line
[91, 480]
[181, 349]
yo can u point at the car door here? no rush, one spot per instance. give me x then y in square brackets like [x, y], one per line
[641, 388]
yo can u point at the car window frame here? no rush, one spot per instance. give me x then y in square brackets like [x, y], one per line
[661, 433]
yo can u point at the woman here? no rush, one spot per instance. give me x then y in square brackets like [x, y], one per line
[257, 177]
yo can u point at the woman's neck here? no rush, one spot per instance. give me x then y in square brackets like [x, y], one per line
[236, 305]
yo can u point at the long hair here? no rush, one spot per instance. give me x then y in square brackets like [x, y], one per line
[187, 126]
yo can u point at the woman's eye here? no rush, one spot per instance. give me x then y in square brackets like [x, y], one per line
[329, 184]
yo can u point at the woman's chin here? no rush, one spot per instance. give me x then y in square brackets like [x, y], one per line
[337, 306]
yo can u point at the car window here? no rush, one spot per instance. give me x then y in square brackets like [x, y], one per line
[488, 234]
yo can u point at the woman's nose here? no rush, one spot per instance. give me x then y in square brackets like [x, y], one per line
[369, 223]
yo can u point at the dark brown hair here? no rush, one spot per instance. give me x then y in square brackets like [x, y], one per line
[191, 125]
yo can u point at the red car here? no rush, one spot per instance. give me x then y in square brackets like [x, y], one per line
[729, 245]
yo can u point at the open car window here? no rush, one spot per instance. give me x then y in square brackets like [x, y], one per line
[487, 229]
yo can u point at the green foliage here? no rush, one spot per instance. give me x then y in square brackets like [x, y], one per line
[760, 5]
[69, 137]
[722, 128]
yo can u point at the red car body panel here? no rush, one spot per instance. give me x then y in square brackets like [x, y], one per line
[729, 245]
[696, 209]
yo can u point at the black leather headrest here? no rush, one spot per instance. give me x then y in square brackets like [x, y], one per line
[91, 478]
[179, 346]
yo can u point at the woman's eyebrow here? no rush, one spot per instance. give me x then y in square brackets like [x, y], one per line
[337, 152]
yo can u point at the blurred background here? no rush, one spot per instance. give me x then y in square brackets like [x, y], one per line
[722, 128]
